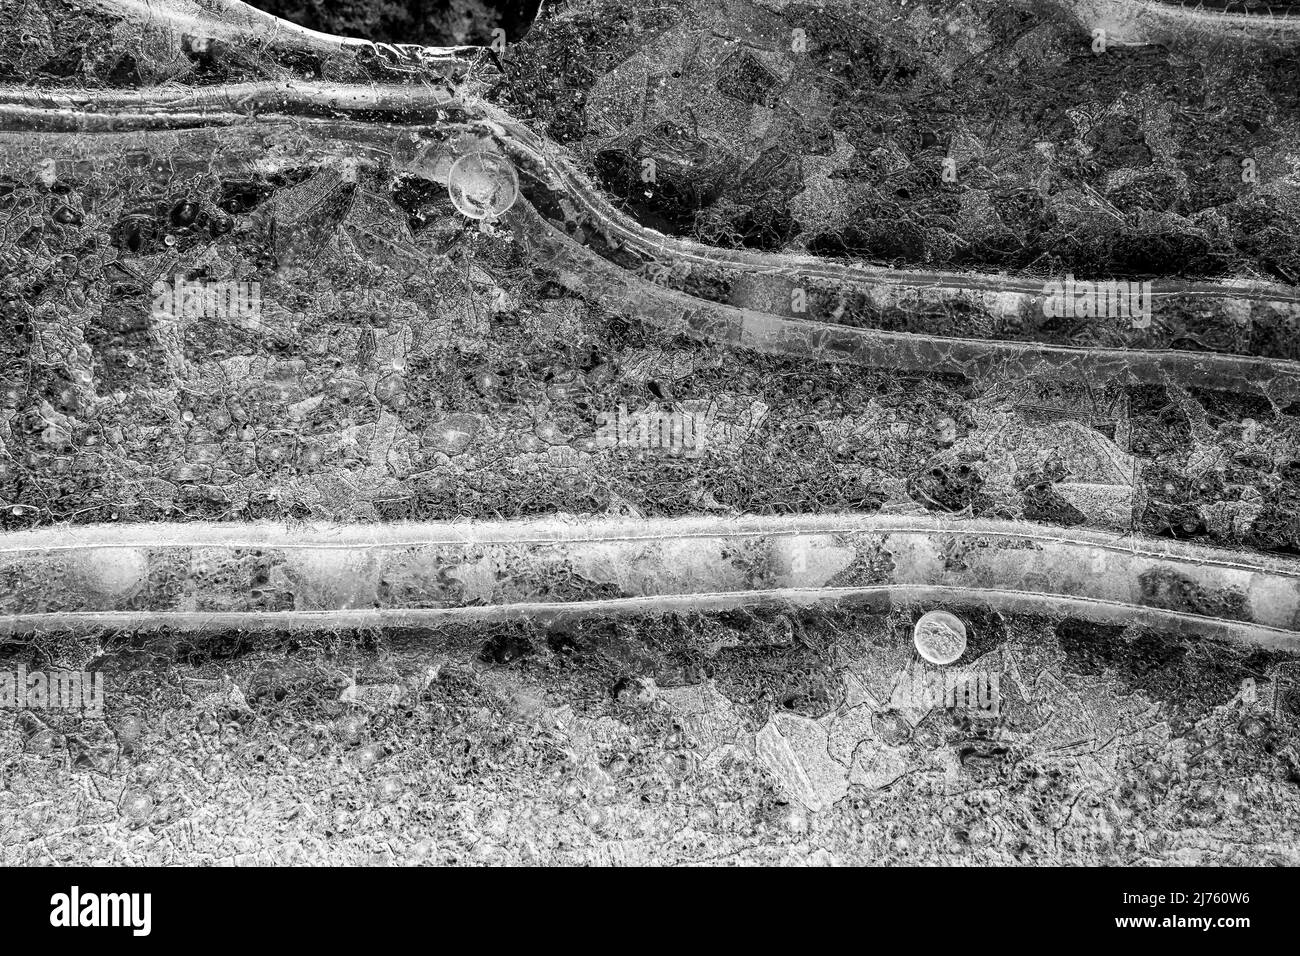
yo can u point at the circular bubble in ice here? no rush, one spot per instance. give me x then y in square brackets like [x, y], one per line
[940, 637]
[483, 185]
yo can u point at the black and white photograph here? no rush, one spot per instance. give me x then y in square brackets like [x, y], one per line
[651, 433]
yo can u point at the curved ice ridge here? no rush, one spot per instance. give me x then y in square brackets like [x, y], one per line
[203, 575]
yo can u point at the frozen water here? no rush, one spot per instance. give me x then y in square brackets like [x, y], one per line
[483, 185]
[940, 637]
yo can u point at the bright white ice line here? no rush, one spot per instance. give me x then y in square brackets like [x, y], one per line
[565, 529]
